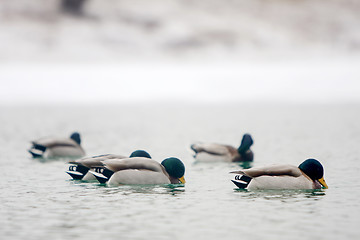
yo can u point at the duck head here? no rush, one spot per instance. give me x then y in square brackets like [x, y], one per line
[76, 137]
[246, 143]
[314, 169]
[140, 153]
[175, 168]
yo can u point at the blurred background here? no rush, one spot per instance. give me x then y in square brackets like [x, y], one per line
[182, 50]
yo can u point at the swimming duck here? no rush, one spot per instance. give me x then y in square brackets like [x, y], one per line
[140, 170]
[208, 152]
[55, 147]
[79, 170]
[308, 175]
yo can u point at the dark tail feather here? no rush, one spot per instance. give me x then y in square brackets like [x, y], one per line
[39, 147]
[37, 150]
[77, 172]
[100, 177]
[75, 175]
[102, 174]
[241, 181]
[35, 153]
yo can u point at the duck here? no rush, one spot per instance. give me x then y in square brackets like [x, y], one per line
[140, 170]
[308, 175]
[79, 169]
[50, 147]
[212, 152]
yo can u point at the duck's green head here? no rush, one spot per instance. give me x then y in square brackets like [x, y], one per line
[140, 153]
[246, 143]
[76, 137]
[314, 170]
[175, 168]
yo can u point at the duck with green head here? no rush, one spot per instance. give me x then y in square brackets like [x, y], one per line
[140, 170]
[308, 175]
[79, 169]
[52, 147]
[211, 152]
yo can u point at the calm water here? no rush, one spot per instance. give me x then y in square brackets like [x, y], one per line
[39, 201]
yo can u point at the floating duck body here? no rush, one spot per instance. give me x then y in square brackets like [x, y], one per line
[137, 171]
[57, 147]
[213, 152]
[80, 169]
[309, 175]
[140, 170]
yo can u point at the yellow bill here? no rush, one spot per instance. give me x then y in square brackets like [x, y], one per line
[322, 182]
[182, 179]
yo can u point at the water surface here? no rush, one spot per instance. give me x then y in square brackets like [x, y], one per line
[39, 201]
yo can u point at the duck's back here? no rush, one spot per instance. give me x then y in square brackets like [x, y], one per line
[96, 161]
[133, 163]
[213, 152]
[51, 142]
[62, 147]
[137, 170]
[92, 163]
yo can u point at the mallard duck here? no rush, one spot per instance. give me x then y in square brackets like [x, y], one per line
[141, 170]
[57, 147]
[208, 152]
[79, 170]
[308, 175]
